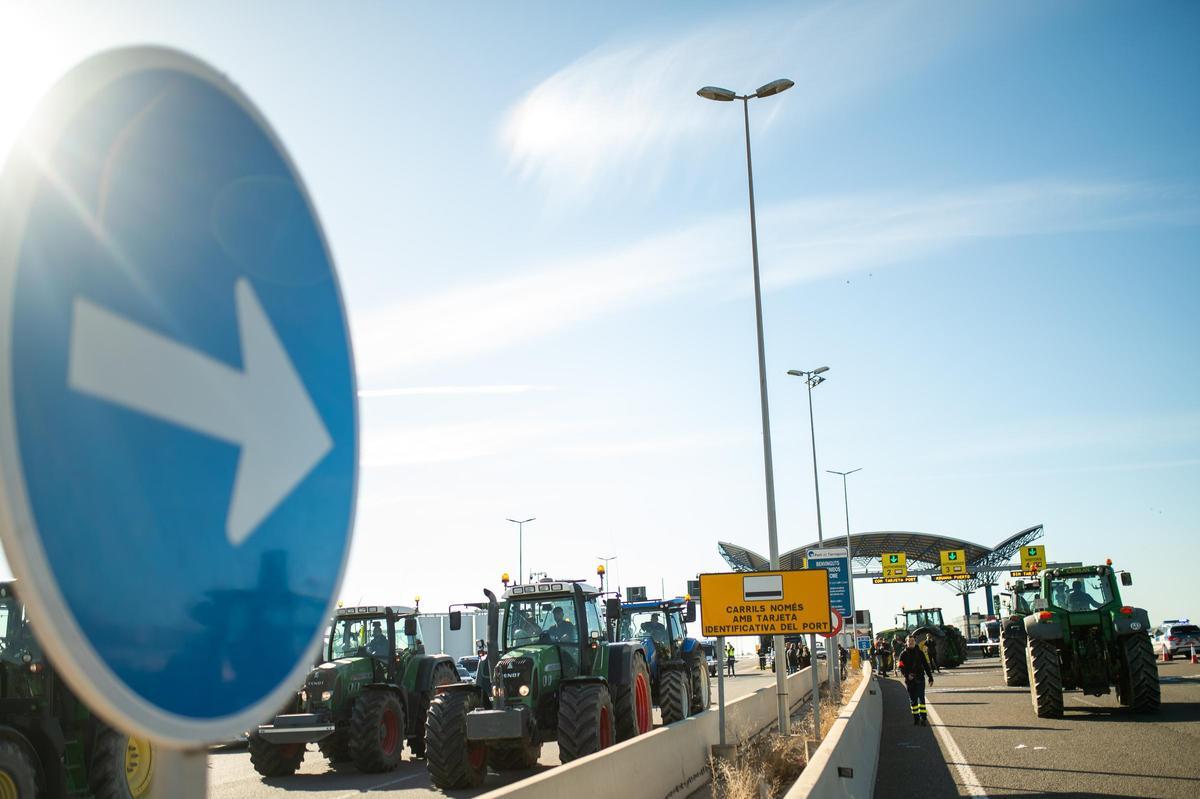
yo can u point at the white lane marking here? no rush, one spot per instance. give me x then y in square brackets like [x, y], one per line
[380, 785]
[1038, 747]
[966, 776]
[1020, 746]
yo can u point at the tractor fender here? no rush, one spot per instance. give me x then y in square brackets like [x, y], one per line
[586, 680]
[936, 632]
[620, 662]
[425, 665]
[675, 664]
[690, 646]
[43, 752]
[1136, 622]
[1043, 630]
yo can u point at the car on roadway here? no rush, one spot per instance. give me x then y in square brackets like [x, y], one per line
[471, 664]
[464, 675]
[710, 657]
[1176, 637]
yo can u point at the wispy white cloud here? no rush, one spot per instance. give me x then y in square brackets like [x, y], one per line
[617, 111]
[804, 240]
[450, 391]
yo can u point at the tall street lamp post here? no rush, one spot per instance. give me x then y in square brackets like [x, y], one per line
[849, 553]
[520, 523]
[725, 95]
[812, 380]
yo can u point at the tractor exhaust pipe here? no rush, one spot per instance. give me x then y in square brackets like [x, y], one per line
[493, 637]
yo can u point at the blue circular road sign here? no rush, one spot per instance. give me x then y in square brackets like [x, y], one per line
[178, 422]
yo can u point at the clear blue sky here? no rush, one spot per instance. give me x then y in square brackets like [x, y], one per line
[983, 217]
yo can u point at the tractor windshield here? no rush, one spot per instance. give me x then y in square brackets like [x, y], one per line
[356, 636]
[924, 618]
[1078, 593]
[1023, 599]
[541, 621]
[644, 624]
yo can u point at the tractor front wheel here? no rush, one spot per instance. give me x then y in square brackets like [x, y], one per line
[377, 731]
[700, 688]
[674, 699]
[452, 761]
[336, 748]
[586, 722]
[514, 756]
[634, 708]
[1139, 688]
[1012, 656]
[443, 674]
[1045, 678]
[17, 772]
[274, 760]
[122, 767]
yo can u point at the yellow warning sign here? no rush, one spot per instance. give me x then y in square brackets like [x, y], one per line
[1033, 558]
[895, 564]
[765, 603]
[954, 562]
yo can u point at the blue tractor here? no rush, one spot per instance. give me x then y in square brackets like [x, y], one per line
[678, 666]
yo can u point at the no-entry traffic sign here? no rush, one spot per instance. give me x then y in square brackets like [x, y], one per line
[178, 422]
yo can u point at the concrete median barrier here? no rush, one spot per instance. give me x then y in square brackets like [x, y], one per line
[669, 762]
[845, 763]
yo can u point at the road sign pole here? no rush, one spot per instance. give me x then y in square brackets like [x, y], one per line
[816, 687]
[721, 666]
[180, 774]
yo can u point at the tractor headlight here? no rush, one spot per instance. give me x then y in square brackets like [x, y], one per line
[498, 691]
[326, 696]
[303, 696]
[523, 690]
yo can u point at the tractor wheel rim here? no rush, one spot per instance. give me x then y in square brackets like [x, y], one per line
[641, 693]
[389, 731]
[605, 729]
[8, 788]
[139, 766]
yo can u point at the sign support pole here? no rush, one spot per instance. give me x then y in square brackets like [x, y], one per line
[180, 773]
[816, 687]
[721, 666]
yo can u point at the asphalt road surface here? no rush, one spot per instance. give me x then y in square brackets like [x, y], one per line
[984, 739]
[230, 775]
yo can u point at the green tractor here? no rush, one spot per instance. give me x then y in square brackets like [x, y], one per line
[1082, 636]
[946, 641]
[370, 692]
[552, 674]
[51, 745]
[1019, 604]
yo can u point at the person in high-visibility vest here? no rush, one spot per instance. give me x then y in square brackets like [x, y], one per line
[729, 660]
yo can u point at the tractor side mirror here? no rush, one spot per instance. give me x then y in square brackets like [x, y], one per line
[1126, 578]
[612, 608]
[410, 626]
[689, 615]
[455, 620]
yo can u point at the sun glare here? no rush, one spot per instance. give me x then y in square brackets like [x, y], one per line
[34, 53]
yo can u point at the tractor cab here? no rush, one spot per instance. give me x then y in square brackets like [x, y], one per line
[552, 622]
[1022, 594]
[660, 624]
[387, 635]
[922, 617]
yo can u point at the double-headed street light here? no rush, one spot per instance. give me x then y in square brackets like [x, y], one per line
[849, 550]
[520, 523]
[725, 95]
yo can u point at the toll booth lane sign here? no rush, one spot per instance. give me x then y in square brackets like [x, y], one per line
[954, 562]
[765, 603]
[895, 564]
[1033, 558]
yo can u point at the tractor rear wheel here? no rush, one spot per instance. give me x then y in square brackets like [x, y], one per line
[1142, 691]
[122, 767]
[452, 761]
[700, 687]
[17, 772]
[335, 748]
[274, 760]
[1012, 656]
[1045, 678]
[377, 731]
[443, 674]
[514, 757]
[634, 708]
[673, 695]
[586, 721]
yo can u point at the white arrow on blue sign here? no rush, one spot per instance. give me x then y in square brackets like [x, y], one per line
[178, 422]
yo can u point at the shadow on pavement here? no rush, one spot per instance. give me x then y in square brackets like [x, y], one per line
[910, 762]
[1107, 772]
[1170, 711]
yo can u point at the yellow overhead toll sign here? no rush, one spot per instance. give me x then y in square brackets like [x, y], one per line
[1033, 558]
[765, 603]
[945, 578]
[895, 564]
[954, 562]
[889, 580]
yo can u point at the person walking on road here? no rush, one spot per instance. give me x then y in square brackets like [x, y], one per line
[729, 660]
[931, 654]
[914, 666]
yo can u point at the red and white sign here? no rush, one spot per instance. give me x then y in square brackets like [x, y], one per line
[836, 620]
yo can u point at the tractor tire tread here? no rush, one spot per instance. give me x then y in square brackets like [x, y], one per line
[16, 762]
[580, 715]
[1143, 673]
[1045, 679]
[447, 756]
[1012, 658]
[673, 696]
[274, 760]
[365, 719]
[624, 700]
